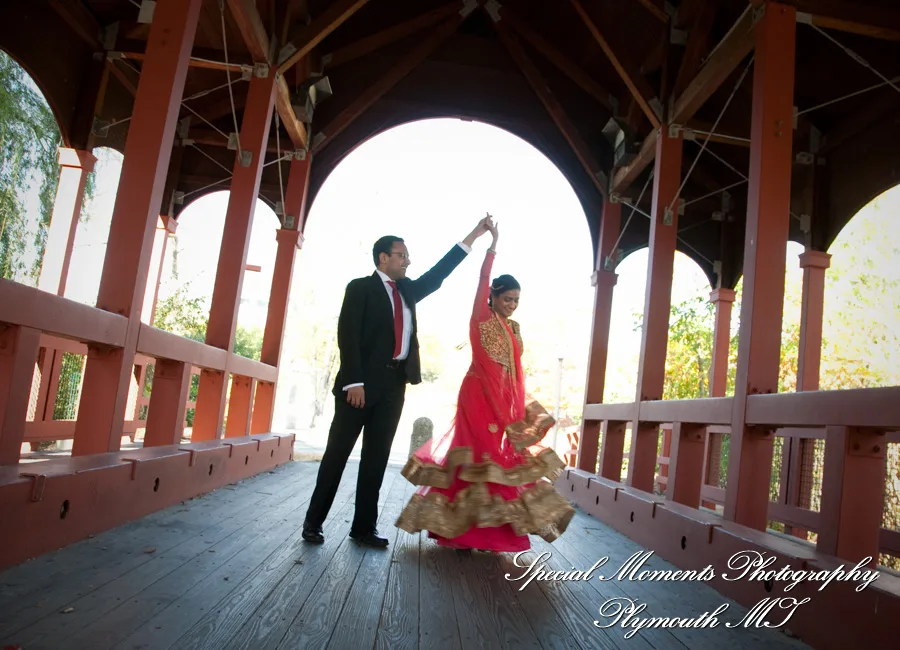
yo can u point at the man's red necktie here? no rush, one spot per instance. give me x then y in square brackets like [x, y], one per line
[398, 320]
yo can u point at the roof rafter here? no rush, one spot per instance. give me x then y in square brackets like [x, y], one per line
[373, 93]
[389, 35]
[337, 13]
[565, 125]
[637, 85]
[254, 34]
[557, 58]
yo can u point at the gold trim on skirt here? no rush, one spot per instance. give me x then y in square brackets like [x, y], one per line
[539, 510]
[546, 464]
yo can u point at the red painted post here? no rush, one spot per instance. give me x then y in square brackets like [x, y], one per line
[168, 403]
[289, 240]
[223, 314]
[18, 355]
[800, 453]
[852, 493]
[240, 406]
[768, 216]
[723, 299]
[165, 226]
[604, 282]
[657, 304]
[75, 166]
[125, 269]
[686, 463]
[613, 450]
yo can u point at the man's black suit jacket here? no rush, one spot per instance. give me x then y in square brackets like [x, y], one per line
[366, 327]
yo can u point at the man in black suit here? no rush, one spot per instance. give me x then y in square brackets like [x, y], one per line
[377, 337]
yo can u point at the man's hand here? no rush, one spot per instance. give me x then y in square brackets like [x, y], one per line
[484, 225]
[356, 397]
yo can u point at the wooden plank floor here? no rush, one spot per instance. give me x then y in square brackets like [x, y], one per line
[229, 570]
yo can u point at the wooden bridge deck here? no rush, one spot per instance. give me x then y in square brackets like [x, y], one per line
[228, 570]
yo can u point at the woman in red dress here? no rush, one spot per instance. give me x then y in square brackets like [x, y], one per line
[483, 482]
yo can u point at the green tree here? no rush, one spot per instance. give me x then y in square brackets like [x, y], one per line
[29, 137]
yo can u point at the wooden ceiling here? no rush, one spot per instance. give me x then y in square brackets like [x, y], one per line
[554, 73]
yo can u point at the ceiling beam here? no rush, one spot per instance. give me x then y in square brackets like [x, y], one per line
[554, 108]
[332, 18]
[725, 58]
[373, 93]
[736, 45]
[557, 58]
[696, 48]
[637, 85]
[253, 32]
[874, 113]
[80, 19]
[840, 15]
[211, 138]
[626, 175]
[390, 35]
[655, 9]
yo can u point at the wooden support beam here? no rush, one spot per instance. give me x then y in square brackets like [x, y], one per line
[840, 15]
[554, 108]
[208, 137]
[696, 48]
[630, 74]
[119, 74]
[253, 31]
[371, 95]
[79, 19]
[196, 62]
[390, 35]
[250, 24]
[625, 176]
[728, 54]
[557, 58]
[332, 18]
[655, 9]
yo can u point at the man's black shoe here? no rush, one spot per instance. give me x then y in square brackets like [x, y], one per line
[369, 539]
[313, 534]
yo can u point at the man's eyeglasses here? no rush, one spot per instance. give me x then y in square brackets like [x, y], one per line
[402, 256]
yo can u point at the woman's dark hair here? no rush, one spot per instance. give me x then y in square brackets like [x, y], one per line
[384, 245]
[502, 284]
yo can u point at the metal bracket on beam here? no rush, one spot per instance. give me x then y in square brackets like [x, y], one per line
[804, 18]
[668, 216]
[109, 35]
[245, 158]
[677, 36]
[186, 142]
[113, 55]
[288, 222]
[299, 154]
[468, 7]
[718, 216]
[285, 53]
[493, 9]
[805, 223]
[805, 158]
[681, 204]
[717, 267]
[758, 13]
[233, 141]
[246, 72]
[178, 198]
[317, 139]
[183, 125]
[145, 15]
[615, 197]
[100, 128]
[261, 70]
[675, 130]
[279, 208]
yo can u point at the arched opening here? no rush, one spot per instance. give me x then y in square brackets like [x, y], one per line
[430, 182]
[690, 296]
[189, 272]
[29, 136]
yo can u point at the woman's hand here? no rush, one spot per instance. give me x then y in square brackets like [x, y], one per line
[495, 233]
